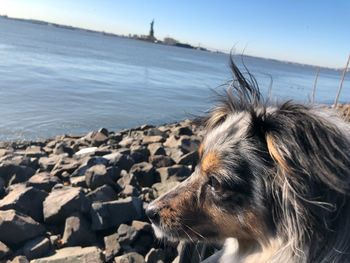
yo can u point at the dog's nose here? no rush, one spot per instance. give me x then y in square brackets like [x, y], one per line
[152, 212]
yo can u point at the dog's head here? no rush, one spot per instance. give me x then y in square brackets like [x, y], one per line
[260, 173]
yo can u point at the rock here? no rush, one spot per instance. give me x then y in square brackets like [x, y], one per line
[62, 148]
[120, 160]
[161, 161]
[110, 214]
[139, 153]
[144, 239]
[97, 138]
[78, 181]
[126, 235]
[88, 162]
[129, 190]
[162, 188]
[155, 132]
[186, 143]
[4, 251]
[126, 142]
[155, 256]
[182, 131]
[77, 232]
[99, 175]
[144, 173]
[189, 158]
[36, 248]
[128, 179]
[175, 172]
[63, 202]
[2, 187]
[12, 223]
[65, 165]
[175, 153]
[48, 163]
[74, 255]
[103, 193]
[156, 149]
[12, 173]
[131, 257]
[35, 151]
[20, 259]
[43, 181]
[26, 200]
[112, 246]
[152, 139]
[86, 151]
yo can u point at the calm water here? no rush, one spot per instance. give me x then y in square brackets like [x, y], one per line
[56, 81]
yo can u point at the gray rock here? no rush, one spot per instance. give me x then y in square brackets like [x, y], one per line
[182, 131]
[128, 179]
[155, 132]
[152, 139]
[20, 259]
[4, 251]
[74, 255]
[126, 235]
[43, 181]
[26, 200]
[99, 175]
[175, 172]
[78, 181]
[12, 173]
[111, 214]
[67, 165]
[97, 137]
[161, 161]
[162, 188]
[190, 158]
[48, 163]
[131, 257]
[12, 223]
[86, 151]
[77, 232]
[112, 246]
[35, 151]
[62, 148]
[129, 190]
[36, 248]
[2, 187]
[155, 256]
[156, 149]
[144, 173]
[103, 193]
[63, 202]
[123, 161]
[88, 162]
[126, 142]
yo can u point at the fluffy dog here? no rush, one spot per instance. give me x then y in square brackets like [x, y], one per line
[275, 178]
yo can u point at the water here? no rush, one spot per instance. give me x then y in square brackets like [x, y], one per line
[56, 81]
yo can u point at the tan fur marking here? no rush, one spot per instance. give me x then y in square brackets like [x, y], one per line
[210, 162]
[275, 153]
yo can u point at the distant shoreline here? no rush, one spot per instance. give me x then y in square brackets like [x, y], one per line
[179, 44]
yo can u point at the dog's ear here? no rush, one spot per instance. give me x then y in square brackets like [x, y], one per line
[307, 147]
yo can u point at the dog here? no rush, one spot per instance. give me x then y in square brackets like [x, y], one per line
[272, 180]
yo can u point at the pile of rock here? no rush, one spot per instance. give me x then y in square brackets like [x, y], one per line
[82, 199]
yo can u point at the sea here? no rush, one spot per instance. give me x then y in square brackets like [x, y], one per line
[56, 81]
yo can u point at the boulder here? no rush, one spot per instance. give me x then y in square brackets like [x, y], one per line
[12, 223]
[97, 138]
[12, 173]
[144, 173]
[35, 151]
[26, 200]
[190, 158]
[178, 131]
[155, 256]
[67, 165]
[63, 202]
[156, 149]
[175, 173]
[162, 188]
[78, 181]
[43, 181]
[152, 139]
[126, 235]
[112, 246]
[48, 163]
[131, 257]
[111, 214]
[99, 175]
[155, 132]
[36, 248]
[161, 161]
[63, 148]
[4, 251]
[77, 232]
[103, 193]
[74, 255]
[123, 161]
[20, 259]
[86, 151]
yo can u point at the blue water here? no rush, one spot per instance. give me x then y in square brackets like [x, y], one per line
[56, 81]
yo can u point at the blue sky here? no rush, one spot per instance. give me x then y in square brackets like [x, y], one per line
[312, 32]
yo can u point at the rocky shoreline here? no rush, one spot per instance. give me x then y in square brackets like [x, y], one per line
[82, 198]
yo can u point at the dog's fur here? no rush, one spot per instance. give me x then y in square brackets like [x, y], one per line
[276, 178]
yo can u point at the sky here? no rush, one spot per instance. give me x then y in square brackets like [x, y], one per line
[310, 32]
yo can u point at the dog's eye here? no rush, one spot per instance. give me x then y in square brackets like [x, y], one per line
[214, 184]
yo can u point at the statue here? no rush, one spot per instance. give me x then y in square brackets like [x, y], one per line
[151, 32]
